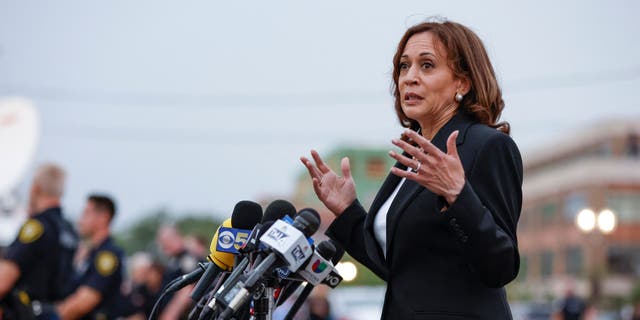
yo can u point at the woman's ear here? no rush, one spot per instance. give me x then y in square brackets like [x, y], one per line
[464, 86]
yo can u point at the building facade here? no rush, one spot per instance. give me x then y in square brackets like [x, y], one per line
[596, 168]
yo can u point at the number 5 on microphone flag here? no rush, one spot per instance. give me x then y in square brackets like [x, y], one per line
[231, 239]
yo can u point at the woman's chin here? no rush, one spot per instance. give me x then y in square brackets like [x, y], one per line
[414, 113]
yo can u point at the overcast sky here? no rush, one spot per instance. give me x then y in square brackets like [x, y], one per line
[197, 105]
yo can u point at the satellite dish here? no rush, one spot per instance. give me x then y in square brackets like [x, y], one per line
[19, 132]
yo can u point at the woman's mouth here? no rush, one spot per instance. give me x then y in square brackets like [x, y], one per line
[411, 98]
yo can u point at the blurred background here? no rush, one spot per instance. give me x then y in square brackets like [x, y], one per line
[180, 110]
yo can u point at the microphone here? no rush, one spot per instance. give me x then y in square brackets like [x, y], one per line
[246, 215]
[325, 250]
[288, 246]
[187, 279]
[276, 210]
[316, 270]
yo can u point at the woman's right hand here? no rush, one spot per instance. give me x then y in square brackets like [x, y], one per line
[337, 193]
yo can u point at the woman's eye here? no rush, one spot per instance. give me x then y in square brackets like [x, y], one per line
[404, 66]
[427, 65]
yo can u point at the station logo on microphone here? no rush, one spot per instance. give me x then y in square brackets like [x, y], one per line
[298, 254]
[277, 235]
[226, 239]
[318, 266]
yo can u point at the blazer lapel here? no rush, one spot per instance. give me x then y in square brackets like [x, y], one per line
[410, 189]
[386, 189]
[389, 184]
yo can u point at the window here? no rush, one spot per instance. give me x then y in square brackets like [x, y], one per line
[626, 205]
[546, 263]
[624, 260]
[575, 261]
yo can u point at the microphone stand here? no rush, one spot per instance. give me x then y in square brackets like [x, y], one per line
[299, 301]
[263, 304]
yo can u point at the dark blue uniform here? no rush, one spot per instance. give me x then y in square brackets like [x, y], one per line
[103, 271]
[43, 251]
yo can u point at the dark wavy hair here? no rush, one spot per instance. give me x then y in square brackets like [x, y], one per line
[467, 58]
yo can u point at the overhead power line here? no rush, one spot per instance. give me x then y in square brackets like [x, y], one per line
[287, 100]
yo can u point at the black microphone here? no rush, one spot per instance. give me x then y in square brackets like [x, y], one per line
[187, 279]
[246, 214]
[311, 211]
[278, 209]
[288, 246]
[275, 210]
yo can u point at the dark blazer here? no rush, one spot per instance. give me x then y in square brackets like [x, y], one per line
[448, 264]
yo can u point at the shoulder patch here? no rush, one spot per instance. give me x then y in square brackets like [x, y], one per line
[31, 231]
[106, 263]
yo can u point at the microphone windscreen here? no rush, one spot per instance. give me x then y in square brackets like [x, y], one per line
[326, 249]
[277, 210]
[307, 221]
[339, 252]
[246, 214]
[311, 211]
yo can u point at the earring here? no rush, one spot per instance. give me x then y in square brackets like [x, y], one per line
[459, 97]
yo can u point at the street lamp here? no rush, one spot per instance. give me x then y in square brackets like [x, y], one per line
[604, 222]
[586, 220]
[347, 270]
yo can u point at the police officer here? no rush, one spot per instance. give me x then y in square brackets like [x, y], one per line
[39, 263]
[100, 274]
[180, 262]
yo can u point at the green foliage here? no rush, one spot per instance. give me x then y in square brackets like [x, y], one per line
[198, 226]
[141, 235]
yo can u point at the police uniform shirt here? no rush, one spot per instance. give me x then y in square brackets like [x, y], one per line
[35, 251]
[103, 271]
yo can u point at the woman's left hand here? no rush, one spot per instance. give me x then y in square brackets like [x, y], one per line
[441, 173]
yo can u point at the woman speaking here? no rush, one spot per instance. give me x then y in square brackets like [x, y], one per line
[442, 229]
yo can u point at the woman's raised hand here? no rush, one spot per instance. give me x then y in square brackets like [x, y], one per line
[440, 172]
[336, 192]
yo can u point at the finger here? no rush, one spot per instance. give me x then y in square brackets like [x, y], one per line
[426, 145]
[410, 163]
[346, 168]
[452, 149]
[411, 150]
[316, 186]
[319, 163]
[313, 172]
[405, 174]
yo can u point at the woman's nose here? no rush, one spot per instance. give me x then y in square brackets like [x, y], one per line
[411, 76]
